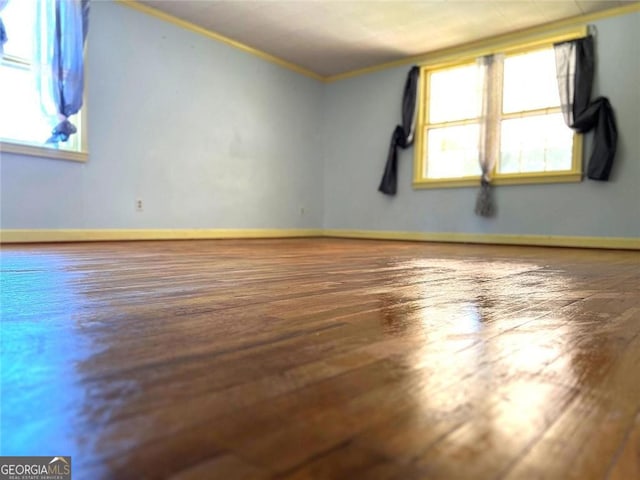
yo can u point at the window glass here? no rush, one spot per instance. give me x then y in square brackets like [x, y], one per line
[16, 16]
[540, 143]
[453, 151]
[21, 117]
[524, 126]
[530, 82]
[455, 94]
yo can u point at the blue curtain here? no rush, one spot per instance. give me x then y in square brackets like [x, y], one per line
[3, 37]
[3, 32]
[60, 32]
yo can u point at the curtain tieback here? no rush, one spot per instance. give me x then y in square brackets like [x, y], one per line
[62, 132]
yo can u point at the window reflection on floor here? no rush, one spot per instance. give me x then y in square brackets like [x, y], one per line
[482, 326]
[42, 343]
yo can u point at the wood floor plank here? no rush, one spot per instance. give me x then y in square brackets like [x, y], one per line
[593, 426]
[626, 464]
[349, 461]
[321, 358]
[224, 466]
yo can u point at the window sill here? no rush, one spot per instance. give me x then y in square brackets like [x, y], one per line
[505, 179]
[446, 182]
[532, 178]
[43, 152]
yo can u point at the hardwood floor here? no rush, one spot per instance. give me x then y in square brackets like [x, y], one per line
[322, 358]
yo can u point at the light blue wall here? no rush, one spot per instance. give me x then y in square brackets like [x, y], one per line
[361, 112]
[206, 135]
[211, 137]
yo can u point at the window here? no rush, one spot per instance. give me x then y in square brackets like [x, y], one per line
[508, 107]
[23, 126]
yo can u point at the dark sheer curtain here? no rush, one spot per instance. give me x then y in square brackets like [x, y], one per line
[402, 135]
[575, 64]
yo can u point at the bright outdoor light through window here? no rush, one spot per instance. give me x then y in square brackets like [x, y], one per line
[455, 151]
[455, 101]
[540, 143]
[17, 15]
[455, 94]
[530, 82]
[508, 105]
[22, 120]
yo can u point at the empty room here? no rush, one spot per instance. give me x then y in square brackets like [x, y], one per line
[316, 239]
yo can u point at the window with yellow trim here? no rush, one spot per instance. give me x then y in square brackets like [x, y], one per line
[507, 109]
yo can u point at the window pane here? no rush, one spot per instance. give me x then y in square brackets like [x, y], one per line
[455, 94]
[22, 119]
[530, 82]
[453, 151]
[16, 16]
[541, 143]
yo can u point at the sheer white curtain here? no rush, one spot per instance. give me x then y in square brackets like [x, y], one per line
[566, 73]
[488, 148]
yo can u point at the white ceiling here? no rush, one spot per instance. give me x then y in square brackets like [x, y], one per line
[330, 37]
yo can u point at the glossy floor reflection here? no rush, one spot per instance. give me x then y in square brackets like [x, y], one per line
[322, 358]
